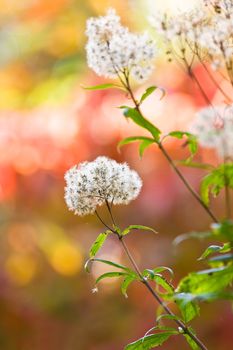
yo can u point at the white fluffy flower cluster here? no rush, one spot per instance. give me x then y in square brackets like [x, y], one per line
[207, 28]
[91, 184]
[214, 129]
[112, 49]
[185, 25]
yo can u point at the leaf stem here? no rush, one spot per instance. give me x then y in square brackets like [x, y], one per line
[227, 193]
[147, 284]
[157, 297]
[164, 152]
[186, 183]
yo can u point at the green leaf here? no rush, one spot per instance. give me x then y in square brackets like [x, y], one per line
[223, 229]
[210, 250]
[136, 227]
[190, 341]
[125, 284]
[160, 280]
[103, 87]
[98, 244]
[167, 317]
[215, 181]
[151, 341]
[214, 249]
[179, 134]
[107, 262]
[162, 269]
[110, 275]
[189, 297]
[138, 119]
[147, 93]
[189, 309]
[131, 139]
[206, 281]
[144, 143]
[189, 163]
[143, 146]
[191, 139]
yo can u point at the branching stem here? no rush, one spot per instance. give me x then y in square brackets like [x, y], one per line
[173, 165]
[143, 280]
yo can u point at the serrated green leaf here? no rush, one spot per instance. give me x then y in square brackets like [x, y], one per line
[125, 284]
[150, 341]
[138, 119]
[189, 308]
[98, 244]
[103, 87]
[137, 227]
[110, 275]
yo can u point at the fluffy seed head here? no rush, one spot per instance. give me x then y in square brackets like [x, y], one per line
[214, 129]
[112, 49]
[91, 184]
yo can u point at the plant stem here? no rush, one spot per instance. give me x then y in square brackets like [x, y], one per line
[228, 201]
[214, 81]
[186, 183]
[227, 193]
[148, 286]
[158, 299]
[181, 176]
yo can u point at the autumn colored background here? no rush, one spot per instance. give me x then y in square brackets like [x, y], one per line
[48, 123]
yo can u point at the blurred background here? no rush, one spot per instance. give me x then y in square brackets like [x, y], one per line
[49, 123]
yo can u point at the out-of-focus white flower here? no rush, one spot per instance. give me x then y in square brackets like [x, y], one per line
[183, 25]
[214, 129]
[91, 184]
[112, 49]
[207, 29]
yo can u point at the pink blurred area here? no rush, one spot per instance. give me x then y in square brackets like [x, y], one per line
[49, 122]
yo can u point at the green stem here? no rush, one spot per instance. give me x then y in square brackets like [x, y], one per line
[143, 280]
[177, 171]
[186, 183]
[227, 193]
[158, 299]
